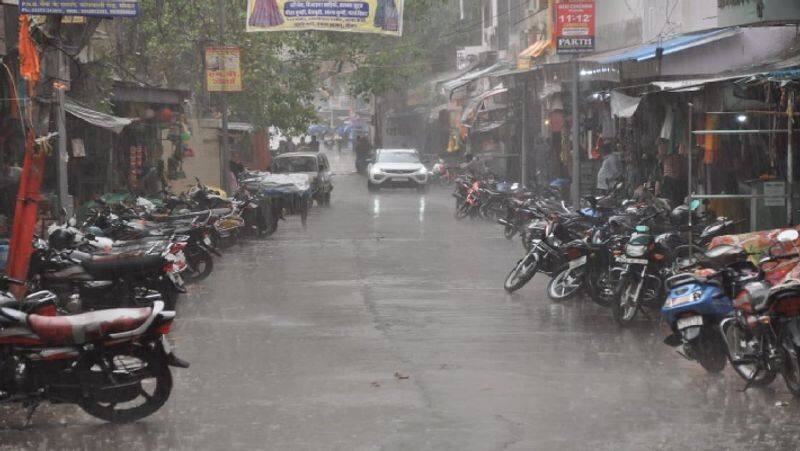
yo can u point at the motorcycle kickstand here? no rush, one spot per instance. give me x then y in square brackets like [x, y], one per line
[31, 406]
[751, 381]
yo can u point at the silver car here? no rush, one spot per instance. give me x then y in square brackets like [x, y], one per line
[397, 168]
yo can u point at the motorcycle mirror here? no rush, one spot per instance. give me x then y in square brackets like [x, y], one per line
[694, 205]
[788, 236]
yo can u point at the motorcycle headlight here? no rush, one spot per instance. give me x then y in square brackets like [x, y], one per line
[635, 250]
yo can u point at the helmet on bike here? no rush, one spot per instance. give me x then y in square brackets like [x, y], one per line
[680, 215]
[61, 239]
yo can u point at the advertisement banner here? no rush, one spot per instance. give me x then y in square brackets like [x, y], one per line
[362, 16]
[110, 8]
[574, 30]
[223, 69]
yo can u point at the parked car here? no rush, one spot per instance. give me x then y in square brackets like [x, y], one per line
[315, 165]
[397, 168]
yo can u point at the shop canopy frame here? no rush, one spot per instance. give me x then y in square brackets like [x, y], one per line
[789, 182]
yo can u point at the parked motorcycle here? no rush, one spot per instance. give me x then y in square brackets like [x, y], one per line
[114, 364]
[86, 281]
[700, 299]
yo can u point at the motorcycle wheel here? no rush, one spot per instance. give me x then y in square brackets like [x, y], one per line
[624, 306]
[522, 273]
[565, 284]
[462, 211]
[791, 367]
[710, 351]
[598, 288]
[199, 267]
[140, 373]
[509, 232]
[749, 372]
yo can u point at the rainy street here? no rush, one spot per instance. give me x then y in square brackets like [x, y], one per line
[384, 325]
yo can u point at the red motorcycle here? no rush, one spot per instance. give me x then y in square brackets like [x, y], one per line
[114, 363]
[470, 206]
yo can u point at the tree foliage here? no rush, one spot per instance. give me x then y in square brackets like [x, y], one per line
[282, 70]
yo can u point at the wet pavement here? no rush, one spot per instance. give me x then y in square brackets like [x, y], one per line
[384, 325]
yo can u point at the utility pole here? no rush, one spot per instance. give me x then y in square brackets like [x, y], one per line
[224, 151]
[64, 201]
[576, 156]
[523, 151]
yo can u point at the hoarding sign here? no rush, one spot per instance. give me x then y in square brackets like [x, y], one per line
[223, 69]
[574, 30]
[363, 16]
[111, 8]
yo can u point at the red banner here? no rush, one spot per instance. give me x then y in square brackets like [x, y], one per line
[574, 27]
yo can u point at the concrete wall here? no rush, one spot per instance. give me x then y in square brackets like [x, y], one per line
[623, 23]
[751, 47]
[205, 163]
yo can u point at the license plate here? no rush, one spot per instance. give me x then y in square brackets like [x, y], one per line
[207, 241]
[577, 262]
[632, 261]
[399, 179]
[691, 321]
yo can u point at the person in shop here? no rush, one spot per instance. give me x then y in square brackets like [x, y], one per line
[611, 170]
[673, 185]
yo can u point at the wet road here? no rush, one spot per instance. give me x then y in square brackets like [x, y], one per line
[384, 325]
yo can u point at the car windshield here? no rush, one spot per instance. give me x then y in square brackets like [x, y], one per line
[397, 157]
[294, 164]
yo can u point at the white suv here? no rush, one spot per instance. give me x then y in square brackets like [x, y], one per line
[397, 167]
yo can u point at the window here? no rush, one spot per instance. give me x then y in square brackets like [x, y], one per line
[397, 157]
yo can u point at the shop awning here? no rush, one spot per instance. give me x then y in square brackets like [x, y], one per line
[673, 45]
[486, 127]
[536, 50]
[472, 75]
[622, 105]
[694, 84]
[479, 104]
[96, 118]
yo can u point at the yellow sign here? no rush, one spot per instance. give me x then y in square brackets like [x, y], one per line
[355, 16]
[223, 69]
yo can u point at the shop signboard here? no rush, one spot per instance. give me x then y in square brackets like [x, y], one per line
[223, 69]
[574, 27]
[108, 8]
[356, 16]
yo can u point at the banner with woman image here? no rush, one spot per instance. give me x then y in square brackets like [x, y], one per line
[361, 16]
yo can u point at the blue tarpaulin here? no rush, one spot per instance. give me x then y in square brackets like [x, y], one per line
[673, 45]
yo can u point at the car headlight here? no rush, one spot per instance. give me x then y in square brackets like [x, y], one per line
[422, 171]
[635, 250]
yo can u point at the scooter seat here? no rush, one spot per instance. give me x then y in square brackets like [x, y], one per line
[722, 256]
[108, 267]
[87, 327]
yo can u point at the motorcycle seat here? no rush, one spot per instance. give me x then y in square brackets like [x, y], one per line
[87, 327]
[722, 256]
[105, 267]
